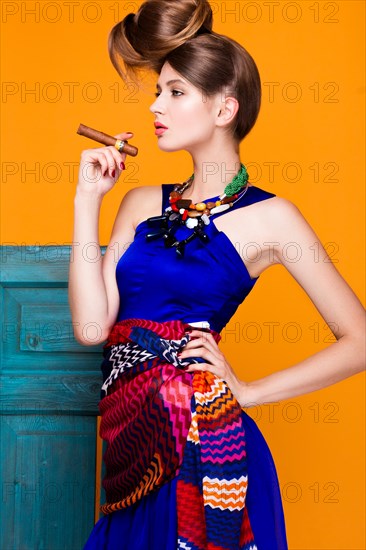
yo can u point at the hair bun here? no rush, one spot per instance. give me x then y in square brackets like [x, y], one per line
[143, 39]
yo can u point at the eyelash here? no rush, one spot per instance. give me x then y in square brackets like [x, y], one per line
[156, 94]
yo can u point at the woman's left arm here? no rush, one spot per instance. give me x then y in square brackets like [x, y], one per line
[336, 303]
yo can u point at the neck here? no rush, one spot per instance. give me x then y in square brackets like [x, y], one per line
[213, 171]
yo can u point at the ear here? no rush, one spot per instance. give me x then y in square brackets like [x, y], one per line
[227, 110]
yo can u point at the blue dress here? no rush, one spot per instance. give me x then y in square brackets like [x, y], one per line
[208, 284]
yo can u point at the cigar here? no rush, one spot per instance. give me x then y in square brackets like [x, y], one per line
[105, 139]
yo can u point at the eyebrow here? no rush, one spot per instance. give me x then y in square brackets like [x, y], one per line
[171, 82]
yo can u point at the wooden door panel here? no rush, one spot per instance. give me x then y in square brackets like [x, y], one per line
[49, 407]
[48, 486]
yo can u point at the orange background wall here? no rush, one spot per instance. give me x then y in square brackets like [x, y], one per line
[56, 73]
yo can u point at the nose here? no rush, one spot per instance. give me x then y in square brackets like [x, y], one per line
[156, 107]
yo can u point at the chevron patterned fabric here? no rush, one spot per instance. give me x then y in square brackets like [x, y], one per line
[161, 422]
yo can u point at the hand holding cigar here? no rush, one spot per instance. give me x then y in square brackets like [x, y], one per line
[105, 139]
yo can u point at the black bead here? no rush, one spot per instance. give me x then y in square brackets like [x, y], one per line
[180, 249]
[162, 220]
[155, 235]
[203, 236]
[169, 240]
[192, 236]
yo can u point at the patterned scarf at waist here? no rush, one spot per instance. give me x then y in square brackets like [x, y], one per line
[161, 422]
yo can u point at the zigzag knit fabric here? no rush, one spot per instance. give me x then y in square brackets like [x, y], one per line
[161, 422]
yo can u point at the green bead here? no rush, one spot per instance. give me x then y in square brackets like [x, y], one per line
[238, 182]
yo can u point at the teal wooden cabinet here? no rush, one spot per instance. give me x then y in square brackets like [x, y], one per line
[50, 388]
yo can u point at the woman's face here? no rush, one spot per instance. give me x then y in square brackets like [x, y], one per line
[182, 108]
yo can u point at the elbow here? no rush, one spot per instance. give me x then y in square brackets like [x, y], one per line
[86, 342]
[357, 351]
[90, 335]
[360, 347]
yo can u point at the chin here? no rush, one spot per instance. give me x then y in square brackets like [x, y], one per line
[168, 148]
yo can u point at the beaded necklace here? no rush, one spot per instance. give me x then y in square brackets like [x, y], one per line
[194, 216]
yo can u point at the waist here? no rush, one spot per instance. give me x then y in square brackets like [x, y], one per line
[136, 345]
[123, 331]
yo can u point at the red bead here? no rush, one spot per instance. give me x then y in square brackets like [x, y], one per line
[185, 215]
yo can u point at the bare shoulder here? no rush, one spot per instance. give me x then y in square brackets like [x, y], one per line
[275, 213]
[139, 203]
[295, 243]
[144, 194]
[144, 190]
[283, 216]
[261, 220]
[279, 207]
[284, 221]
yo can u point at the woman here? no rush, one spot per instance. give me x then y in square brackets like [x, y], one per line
[185, 466]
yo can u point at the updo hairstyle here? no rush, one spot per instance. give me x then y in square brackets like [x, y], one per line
[180, 32]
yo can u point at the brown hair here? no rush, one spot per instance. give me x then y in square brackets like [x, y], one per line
[180, 32]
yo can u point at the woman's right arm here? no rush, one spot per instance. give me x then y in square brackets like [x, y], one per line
[93, 293]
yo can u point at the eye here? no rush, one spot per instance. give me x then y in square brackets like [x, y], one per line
[156, 94]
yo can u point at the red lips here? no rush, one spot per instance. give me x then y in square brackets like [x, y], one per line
[159, 125]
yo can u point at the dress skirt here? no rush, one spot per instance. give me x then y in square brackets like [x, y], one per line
[151, 523]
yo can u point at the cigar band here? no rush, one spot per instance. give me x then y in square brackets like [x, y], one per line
[119, 145]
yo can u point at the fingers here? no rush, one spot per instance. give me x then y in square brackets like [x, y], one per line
[113, 161]
[110, 160]
[197, 349]
[100, 168]
[199, 338]
[203, 345]
[195, 367]
[200, 352]
[124, 136]
[200, 334]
